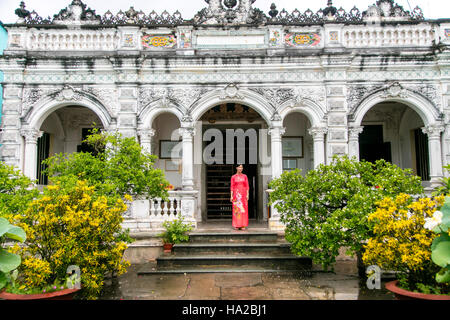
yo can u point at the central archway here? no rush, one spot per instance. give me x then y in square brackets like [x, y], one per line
[231, 133]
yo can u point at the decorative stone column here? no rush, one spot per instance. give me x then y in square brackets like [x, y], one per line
[187, 134]
[30, 162]
[318, 134]
[353, 141]
[435, 152]
[276, 134]
[145, 136]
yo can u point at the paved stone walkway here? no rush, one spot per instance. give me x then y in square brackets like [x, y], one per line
[241, 286]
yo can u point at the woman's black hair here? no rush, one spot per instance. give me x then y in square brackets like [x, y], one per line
[239, 164]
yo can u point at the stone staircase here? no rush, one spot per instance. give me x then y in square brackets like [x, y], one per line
[230, 251]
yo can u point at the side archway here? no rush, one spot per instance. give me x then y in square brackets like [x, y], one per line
[37, 115]
[418, 103]
[378, 130]
[76, 113]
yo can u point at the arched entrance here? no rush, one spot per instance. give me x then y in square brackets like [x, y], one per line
[232, 134]
[59, 123]
[402, 126]
[165, 127]
[392, 131]
[63, 131]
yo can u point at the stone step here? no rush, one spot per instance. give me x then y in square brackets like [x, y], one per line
[275, 262]
[151, 269]
[233, 236]
[231, 248]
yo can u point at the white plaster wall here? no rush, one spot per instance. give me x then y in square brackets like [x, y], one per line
[410, 121]
[165, 126]
[297, 124]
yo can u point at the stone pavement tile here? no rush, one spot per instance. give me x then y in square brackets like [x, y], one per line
[238, 280]
[289, 294]
[156, 287]
[201, 287]
[324, 293]
[246, 293]
[281, 280]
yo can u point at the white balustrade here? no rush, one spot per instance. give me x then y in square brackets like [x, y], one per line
[149, 215]
[388, 36]
[74, 40]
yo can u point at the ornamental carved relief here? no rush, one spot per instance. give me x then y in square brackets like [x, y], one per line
[106, 96]
[158, 41]
[183, 97]
[276, 96]
[318, 95]
[358, 93]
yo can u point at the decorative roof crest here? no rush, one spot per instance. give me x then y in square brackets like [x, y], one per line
[224, 12]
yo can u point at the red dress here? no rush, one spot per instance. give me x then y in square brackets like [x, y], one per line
[239, 187]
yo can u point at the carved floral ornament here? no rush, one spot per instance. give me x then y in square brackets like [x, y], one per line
[231, 91]
[31, 135]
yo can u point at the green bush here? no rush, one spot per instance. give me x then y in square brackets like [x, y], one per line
[16, 191]
[445, 188]
[328, 208]
[117, 166]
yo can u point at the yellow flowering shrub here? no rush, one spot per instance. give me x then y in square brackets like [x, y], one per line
[400, 242]
[36, 272]
[72, 225]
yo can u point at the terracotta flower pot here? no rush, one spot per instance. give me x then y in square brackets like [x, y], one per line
[65, 294]
[168, 247]
[402, 294]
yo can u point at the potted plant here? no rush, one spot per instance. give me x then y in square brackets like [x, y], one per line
[70, 225]
[175, 232]
[401, 243]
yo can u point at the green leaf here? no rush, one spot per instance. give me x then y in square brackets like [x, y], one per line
[3, 280]
[8, 261]
[443, 276]
[16, 233]
[441, 254]
[442, 238]
[4, 226]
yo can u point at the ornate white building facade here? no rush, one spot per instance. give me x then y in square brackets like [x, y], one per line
[372, 84]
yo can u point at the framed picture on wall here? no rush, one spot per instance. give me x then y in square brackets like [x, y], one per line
[170, 149]
[172, 165]
[292, 147]
[289, 164]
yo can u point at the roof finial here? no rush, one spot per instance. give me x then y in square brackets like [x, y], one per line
[329, 11]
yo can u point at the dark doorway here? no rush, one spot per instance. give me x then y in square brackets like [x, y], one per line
[219, 173]
[422, 159]
[43, 146]
[372, 146]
